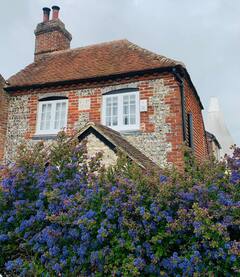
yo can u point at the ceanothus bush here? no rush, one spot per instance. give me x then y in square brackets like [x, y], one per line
[72, 217]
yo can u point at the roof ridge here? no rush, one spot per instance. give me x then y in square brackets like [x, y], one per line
[153, 54]
[88, 46]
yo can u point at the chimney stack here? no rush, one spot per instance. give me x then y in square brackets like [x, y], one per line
[51, 35]
[46, 14]
[55, 12]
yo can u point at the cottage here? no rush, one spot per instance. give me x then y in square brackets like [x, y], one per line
[147, 99]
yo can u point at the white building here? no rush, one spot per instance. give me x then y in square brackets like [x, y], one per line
[216, 125]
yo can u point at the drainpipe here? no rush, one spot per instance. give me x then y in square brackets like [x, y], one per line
[183, 105]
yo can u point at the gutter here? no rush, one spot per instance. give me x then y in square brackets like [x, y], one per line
[103, 78]
[180, 80]
[97, 79]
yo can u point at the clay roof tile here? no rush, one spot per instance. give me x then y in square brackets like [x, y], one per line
[104, 59]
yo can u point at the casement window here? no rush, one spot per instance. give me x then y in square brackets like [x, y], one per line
[120, 110]
[190, 130]
[52, 115]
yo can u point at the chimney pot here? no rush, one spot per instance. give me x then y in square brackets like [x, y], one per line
[55, 10]
[46, 13]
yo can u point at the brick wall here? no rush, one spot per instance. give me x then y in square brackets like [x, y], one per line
[3, 117]
[51, 41]
[160, 136]
[199, 136]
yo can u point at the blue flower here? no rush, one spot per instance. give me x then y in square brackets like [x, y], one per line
[65, 251]
[188, 196]
[139, 263]
[3, 237]
[9, 265]
[85, 236]
[10, 219]
[43, 259]
[197, 225]
[40, 215]
[18, 262]
[73, 260]
[81, 251]
[94, 258]
[163, 178]
[39, 204]
[57, 267]
[142, 211]
[90, 214]
[110, 213]
[54, 251]
[102, 234]
[74, 233]
[169, 219]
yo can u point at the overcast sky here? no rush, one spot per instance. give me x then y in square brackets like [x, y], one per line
[205, 35]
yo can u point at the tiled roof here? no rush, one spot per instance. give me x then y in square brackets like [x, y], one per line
[2, 79]
[212, 137]
[119, 143]
[98, 60]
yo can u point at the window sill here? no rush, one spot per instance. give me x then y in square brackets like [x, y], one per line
[130, 132]
[44, 136]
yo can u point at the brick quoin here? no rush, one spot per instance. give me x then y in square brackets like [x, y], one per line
[73, 112]
[4, 116]
[32, 116]
[95, 110]
[175, 136]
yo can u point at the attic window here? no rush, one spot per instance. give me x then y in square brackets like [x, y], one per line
[121, 110]
[52, 115]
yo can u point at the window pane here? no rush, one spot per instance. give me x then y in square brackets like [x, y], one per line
[132, 120]
[57, 116]
[129, 109]
[125, 100]
[45, 117]
[115, 121]
[111, 111]
[132, 109]
[60, 116]
[133, 99]
[48, 116]
[126, 120]
[108, 121]
[63, 116]
[108, 110]
[125, 109]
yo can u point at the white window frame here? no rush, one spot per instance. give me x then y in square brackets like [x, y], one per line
[52, 130]
[121, 126]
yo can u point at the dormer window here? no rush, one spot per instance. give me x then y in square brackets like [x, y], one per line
[52, 115]
[121, 110]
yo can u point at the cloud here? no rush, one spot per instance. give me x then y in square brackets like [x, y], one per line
[205, 35]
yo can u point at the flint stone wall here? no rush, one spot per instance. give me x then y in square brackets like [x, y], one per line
[151, 139]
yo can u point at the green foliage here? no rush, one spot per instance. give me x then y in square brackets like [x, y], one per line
[63, 214]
